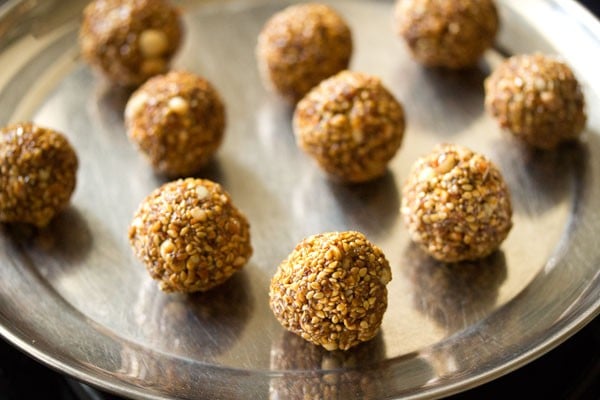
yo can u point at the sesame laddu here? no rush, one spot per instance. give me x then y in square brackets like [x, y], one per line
[300, 46]
[447, 33]
[190, 236]
[177, 120]
[351, 125]
[38, 168]
[331, 290]
[130, 40]
[538, 99]
[456, 204]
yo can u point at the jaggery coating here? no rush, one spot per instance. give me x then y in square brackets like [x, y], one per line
[190, 236]
[351, 125]
[538, 99]
[130, 40]
[38, 169]
[331, 290]
[456, 204]
[447, 33]
[178, 121]
[300, 46]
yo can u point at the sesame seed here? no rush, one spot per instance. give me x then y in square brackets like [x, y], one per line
[445, 163]
[239, 261]
[166, 248]
[330, 346]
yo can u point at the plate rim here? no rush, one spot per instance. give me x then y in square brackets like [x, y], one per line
[572, 9]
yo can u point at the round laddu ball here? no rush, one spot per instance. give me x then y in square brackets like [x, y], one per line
[456, 204]
[538, 99]
[447, 33]
[130, 40]
[177, 120]
[38, 169]
[300, 46]
[331, 290]
[351, 125]
[190, 236]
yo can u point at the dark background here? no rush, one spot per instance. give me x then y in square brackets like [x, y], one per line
[592, 5]
[571, 371]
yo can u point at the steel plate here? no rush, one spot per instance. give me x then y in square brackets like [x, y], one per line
[74, 297]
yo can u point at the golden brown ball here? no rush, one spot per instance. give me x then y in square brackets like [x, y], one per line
[538, 99]
[300, 46]
[130, 40]
[331, 290]
[351, 125]
[456, 204]
[38, 169]
[190, 236]
[447, 33]
[178, 121]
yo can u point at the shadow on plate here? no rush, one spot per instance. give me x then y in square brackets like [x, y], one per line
[212, 171]
[446, 101]
[274, 129]
[370, 207]
[540, 180]
[111, 101]
[67, 239]
[454, 295]
[305, 371]
[199, 325]
[320, 204]
[311, 372]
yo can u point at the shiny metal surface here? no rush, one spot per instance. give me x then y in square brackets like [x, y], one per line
[74, 297]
